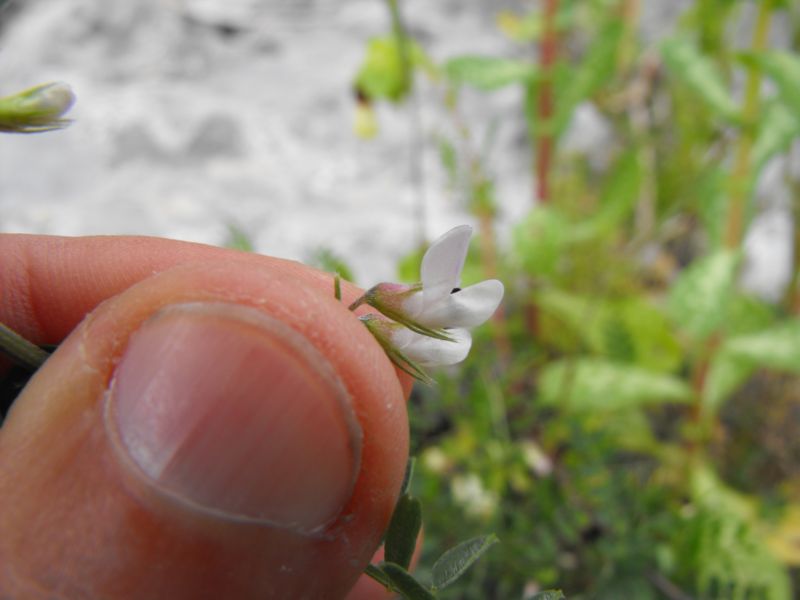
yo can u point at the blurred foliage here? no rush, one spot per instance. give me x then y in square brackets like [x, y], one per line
[629, 424]
[238, 239]
[329, 261]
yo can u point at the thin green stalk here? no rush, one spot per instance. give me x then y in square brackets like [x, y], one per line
[337, 287]
[20, 350]
[740, 178]
[793, 290]
[400, 32]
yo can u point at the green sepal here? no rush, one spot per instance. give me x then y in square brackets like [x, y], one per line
[372, 297]
[400, 360]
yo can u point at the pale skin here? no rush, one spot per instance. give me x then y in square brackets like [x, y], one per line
[76, 522]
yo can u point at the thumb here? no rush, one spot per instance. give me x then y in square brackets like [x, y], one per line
[217, 430]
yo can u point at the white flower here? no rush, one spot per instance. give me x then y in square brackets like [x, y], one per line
[432, 352]
[431, 317]
[441, 303]
[468, 491]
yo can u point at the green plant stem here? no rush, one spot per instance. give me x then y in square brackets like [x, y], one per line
[630, 11]
[792, 294]
[545, 103]
[490, 270]
[740, 178]
[417, 174]
[20, 350]
[699, 416]
[337, 287]
[485, 212]
[793, 291]
[545, 140]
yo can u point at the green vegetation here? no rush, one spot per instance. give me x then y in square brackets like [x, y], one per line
[628, 426]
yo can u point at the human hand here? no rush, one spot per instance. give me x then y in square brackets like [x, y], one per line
[219, 426]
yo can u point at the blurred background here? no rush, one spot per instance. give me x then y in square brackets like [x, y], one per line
[630, 424]
[194, 116]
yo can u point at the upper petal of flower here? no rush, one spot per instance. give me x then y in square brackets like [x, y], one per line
[430, 352]
[466, 308]
[443, 262]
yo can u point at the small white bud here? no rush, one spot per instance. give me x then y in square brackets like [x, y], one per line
[36, 109]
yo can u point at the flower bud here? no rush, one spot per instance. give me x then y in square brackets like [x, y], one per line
[36, 109]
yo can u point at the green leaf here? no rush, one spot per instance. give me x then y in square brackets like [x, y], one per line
[596, 68]
[777, 128]
[699, 297]
[747, 314]
[775, 348]
[599, 385]
[654, 342]
[401, 536]
[539, 240]
[700, 74]
[731, 553]
[404, 583]
[783, 68]
[550, 595]
[488, 73]
[712, 187]
[328, 260]
[604, 325]
[453, 563]
[238, 239]
[383, 74]
[725, 374]
[617, 200]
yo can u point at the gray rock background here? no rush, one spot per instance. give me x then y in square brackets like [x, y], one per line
[193, 115]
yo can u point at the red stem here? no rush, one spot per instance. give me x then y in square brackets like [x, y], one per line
[545, 106]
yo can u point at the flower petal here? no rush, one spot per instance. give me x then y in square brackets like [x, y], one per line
[430, 352]
[466, 308]
[442, 263]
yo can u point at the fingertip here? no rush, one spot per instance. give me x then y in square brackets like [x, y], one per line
[60, 472]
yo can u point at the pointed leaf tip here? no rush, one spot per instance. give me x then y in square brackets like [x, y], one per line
[405, 584]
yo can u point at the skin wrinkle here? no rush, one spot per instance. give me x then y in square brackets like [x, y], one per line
[18, 295]
[83, 343]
